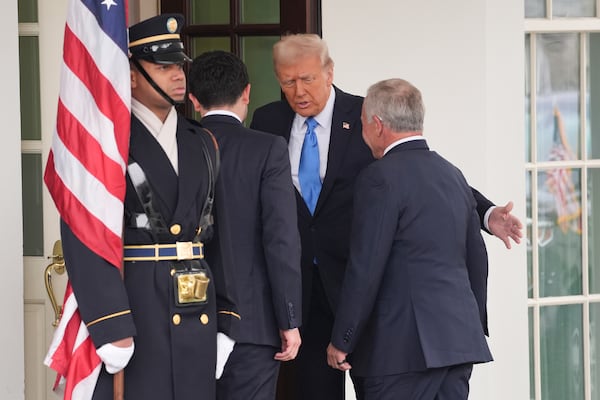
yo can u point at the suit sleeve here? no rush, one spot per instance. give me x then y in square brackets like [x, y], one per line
[99, 290]
[477, 266]
[281, 240]
[375, 219]
[483, 204]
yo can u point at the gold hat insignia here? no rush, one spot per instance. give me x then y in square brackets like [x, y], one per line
[172, 25]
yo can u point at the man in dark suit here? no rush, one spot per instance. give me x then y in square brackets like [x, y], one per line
[256, 229]
[410, 311]
[305, 73]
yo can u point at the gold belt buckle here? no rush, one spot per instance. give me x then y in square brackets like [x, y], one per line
[185, 250]
[191, 287]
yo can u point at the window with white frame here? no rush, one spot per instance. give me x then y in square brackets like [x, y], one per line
[31, 131]
[562, 109]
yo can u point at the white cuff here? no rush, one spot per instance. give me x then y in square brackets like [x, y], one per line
[486, 218]
[115, 358]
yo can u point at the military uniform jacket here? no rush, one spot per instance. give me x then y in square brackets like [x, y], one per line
[175, 347]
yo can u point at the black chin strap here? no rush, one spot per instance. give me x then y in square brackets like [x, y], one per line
[153, 84]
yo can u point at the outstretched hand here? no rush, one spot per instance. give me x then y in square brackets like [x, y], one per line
[504, 225]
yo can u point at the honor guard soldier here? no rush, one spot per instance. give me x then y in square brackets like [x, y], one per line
[161, 321]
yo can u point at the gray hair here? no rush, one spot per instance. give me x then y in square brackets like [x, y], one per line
[397, 103]
[291, 48]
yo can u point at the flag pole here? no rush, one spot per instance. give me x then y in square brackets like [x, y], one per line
[119, 385]
[119, 377]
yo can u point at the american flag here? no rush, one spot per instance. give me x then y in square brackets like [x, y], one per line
[560, 182]
[85, 172]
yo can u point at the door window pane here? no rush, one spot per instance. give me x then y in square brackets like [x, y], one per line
[558, 94]
[594, 229]
[259, 11]
[535, 8]
[257, 52]
[559, 232]
[209, 12]
[593, 99]
[28, 11]
[561, 352]
[595, 349]
[31, 175]
[574, 8]
[203, 44]
[30, 87]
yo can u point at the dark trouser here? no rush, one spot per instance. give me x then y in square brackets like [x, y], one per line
[309, 377]
[250, 373]
[449, 383]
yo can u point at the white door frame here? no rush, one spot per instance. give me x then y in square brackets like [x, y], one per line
[11, 284]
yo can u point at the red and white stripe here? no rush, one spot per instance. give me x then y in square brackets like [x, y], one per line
[72, 354]
[566, 198]
[86, 166]
[85, 172]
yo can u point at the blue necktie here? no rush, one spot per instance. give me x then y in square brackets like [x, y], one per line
[308, 171]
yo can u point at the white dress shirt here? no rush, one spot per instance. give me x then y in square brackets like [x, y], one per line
[164, 133]
[323, 131]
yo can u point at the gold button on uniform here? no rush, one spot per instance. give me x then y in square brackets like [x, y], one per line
[204, 319]
[175, 229]
[173, 271]
[176, 319]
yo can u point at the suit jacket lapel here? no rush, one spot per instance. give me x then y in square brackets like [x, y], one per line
[285, 128]
[287, 121]
[344, 125]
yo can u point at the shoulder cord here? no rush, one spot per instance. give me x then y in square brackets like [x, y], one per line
[206, 218]
[156, 223]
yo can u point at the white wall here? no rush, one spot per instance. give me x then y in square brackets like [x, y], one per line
[140, 10]
[11, 234]
[466, 57]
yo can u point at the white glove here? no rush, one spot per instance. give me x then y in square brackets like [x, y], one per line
[224, 348]
[115, 358]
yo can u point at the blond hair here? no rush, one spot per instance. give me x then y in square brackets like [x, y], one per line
[291, 48]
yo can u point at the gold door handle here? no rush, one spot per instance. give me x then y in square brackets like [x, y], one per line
[58, 266]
